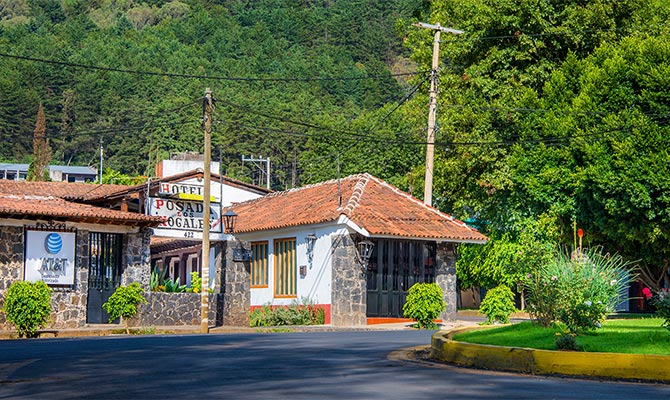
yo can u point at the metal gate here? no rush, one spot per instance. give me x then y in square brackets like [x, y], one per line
[394, 267]
[104, 273]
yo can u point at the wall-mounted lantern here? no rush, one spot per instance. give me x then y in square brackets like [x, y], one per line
[229, 219]
[310, 240]
[364, 253]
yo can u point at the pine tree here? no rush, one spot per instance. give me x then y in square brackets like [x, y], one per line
[38, 171]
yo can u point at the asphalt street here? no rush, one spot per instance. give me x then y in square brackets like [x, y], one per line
[307, 365]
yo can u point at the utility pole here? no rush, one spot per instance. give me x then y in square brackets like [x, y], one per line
[432, 107]
[204, 289]
[267, 167]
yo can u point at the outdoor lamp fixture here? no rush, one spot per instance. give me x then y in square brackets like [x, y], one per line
[229, 219]
[365, 248]
[310, 240]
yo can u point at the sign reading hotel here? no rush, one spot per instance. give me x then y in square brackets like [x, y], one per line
[182, 208]
[50, 257]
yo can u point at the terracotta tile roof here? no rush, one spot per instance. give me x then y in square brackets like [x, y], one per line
[63, 190]
[61, 201]
[369, 202]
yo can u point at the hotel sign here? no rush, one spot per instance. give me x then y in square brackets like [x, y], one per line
[184, 215]
[50, 257]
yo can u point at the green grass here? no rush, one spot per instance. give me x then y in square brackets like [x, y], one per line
[631, 336]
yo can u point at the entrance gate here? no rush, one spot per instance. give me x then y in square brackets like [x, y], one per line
[104, 273]
[395, 265]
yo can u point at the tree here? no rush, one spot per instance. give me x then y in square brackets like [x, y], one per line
[39, 167]
[124, 303]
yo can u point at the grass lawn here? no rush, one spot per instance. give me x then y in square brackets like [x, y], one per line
[634, 336]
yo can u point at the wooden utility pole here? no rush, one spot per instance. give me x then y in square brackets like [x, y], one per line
[204, 289]
[432, 107]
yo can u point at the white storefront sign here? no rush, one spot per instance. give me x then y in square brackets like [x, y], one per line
[184, 215]
[50, 257]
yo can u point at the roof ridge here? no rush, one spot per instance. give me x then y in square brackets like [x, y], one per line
[430, 208]
[356, 194]
[296, 189]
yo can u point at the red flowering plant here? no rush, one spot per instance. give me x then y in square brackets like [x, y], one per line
[661, 301]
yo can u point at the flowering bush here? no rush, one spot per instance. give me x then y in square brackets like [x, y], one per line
[578, 292]
[661, 300]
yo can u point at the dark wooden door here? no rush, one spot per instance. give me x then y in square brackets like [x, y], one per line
[394, 267]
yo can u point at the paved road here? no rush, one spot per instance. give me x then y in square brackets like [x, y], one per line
[314, 365]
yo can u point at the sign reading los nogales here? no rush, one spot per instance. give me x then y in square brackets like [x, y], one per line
[181, 207]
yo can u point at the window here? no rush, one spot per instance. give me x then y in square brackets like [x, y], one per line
[259, 264]
[285, 268]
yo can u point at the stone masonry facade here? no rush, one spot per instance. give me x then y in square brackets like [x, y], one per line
[348, 284]
[445, 277]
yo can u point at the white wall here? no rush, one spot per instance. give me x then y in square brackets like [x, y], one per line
[316, 284]
[174, 167]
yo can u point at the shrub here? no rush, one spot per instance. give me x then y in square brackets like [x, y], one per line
[28, 307]
[498, 305]
[124, 303]
[661, 301]
[298, 313]
[566, 341]
[579, 292]
[424, 304]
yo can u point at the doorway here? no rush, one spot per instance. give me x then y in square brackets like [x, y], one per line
[395, 265]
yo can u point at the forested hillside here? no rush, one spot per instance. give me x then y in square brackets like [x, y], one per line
[292, 79]
[552, 114]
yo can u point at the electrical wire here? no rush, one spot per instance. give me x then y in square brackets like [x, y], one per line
[204, 77]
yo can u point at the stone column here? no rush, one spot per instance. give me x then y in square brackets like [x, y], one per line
[137, 255]
[348, 286]
[445, 277]
[235, 286]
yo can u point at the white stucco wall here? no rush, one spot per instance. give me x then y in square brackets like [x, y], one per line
[315, 286]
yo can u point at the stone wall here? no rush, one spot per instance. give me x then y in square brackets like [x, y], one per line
[68, 304]
[164, 309]
[11, 261]
[235, 286]
[137, 266]
[348, 285]
[445, 277]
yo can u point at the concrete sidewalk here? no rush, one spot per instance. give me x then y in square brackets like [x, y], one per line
[106, 330]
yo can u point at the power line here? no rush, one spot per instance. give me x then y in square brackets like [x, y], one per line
[210, 77]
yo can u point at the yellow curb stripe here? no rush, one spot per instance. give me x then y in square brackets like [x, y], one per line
[548, 362]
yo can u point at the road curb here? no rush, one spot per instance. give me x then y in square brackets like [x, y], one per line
[643, 367]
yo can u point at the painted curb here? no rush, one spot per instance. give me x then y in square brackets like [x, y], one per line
[644, 367]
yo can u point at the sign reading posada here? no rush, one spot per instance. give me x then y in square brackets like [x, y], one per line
[184, 215]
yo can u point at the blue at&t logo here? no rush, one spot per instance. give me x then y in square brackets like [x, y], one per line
[53, 243]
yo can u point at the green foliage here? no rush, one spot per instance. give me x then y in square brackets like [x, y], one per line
[157, 281]
[424, 303]
[124, 302]
[628, 336]
[498, 305]
[566, 341]
[302, 313]
[578, 291]
[661, 301]
[27, 306]
[173, 286]
[196, 283]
